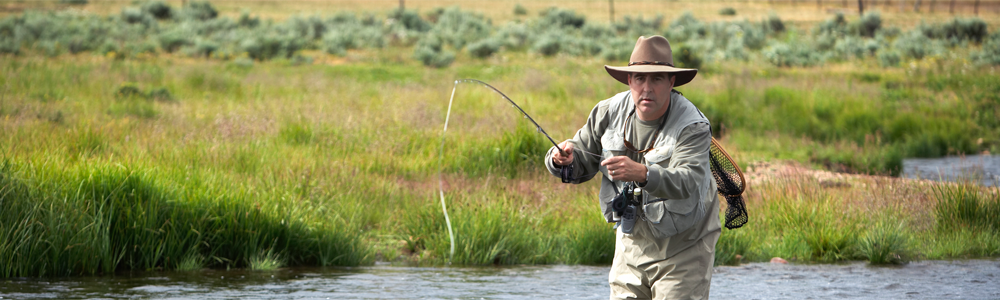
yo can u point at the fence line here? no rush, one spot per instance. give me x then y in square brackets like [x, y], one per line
[965, 7]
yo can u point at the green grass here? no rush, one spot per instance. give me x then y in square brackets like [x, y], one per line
[274, 163]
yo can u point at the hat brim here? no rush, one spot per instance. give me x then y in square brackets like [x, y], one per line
[621, 73]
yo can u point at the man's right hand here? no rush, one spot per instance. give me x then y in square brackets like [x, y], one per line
[561, 160]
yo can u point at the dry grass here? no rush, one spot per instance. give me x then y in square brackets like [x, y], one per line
[799, 13]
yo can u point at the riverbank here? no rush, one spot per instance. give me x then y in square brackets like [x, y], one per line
[153, 159]
[810, 215]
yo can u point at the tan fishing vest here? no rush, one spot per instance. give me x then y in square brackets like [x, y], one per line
[667, 216]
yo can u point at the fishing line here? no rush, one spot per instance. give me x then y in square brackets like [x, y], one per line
[447, 117]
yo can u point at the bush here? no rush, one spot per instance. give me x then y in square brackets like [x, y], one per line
[411, 20]
[867, 25]
[917, 45]
[128, 90]
[74, 2]
[161, 94]
[785, 55]
[851, 47]
[134, 15]
[618, 49]
[635, 27]
[773, 24]
[246, 20]
[990, 53]
[203, 48]
[727, 11]
[549, 44]
[519, 10]
[835, 26]
[686, 27]
[174, 39]
[484, 48]
[959, 29]
[554, 17]
[514, 36]
[686, 57]
[271, 45]
[200, 10]
[158, 9]
[430, 51]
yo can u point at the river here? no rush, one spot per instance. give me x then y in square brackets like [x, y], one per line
[970, 279]
[984, 169]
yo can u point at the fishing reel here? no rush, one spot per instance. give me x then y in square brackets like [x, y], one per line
[623, 206]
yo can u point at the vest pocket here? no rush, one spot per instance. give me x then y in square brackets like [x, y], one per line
[665, 223]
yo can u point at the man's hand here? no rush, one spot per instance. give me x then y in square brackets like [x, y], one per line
[622, 168]
[561, 160]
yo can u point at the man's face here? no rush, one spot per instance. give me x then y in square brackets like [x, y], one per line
[650, 93]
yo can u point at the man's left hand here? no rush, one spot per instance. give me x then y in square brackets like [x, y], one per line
[622, 168]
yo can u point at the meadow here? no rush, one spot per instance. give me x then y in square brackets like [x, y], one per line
[156, 136]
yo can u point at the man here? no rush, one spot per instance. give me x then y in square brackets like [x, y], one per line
[653, 141]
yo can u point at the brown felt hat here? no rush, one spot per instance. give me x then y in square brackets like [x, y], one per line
[652, 55]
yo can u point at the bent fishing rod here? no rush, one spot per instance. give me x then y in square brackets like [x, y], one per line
[444, 208]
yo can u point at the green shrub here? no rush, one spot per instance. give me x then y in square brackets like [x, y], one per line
[867, 25]
[554, 17]
[851, 47]
[989, 54]
[917, 45]
[785, 55]
[245, 20]
[161, 94]
[959, 29]
[638, 26]
[200, 10]
[128, 90]
[617, 49]
[519, 10]
[74, 2]
[484, 48]
[158, 9]
[271, 45]
[514, 36]
[727, 11]
[549, 44]
[686, 57]
[773, 24]
[134, 15]
[686, 27]
[430, 51]
[204, 48]
[835, 26]
[889, 58]
[411, 20]
[9, 45]
[174, 39]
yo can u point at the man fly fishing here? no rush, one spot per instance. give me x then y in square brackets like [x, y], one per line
[657, 185]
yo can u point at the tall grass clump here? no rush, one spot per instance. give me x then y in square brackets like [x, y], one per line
[885, 244]
[99, 218]
[967, 206]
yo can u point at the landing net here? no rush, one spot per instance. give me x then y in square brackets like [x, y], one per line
[731, 185]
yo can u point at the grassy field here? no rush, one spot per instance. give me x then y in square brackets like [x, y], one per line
[170, 161]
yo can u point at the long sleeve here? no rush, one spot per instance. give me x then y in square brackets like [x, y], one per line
[585, 166]
[687, 167]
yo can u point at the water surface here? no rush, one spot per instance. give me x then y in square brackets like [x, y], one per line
[973, 279]
[984, 169]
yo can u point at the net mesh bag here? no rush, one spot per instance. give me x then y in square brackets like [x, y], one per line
[731, 185]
